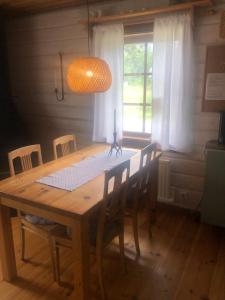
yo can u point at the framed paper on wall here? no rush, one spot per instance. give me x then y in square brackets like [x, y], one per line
[214, 83]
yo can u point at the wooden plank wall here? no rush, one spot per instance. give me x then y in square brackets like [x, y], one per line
[207, 28]
[33, 44]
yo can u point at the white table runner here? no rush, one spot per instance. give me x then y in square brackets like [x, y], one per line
[80, 173]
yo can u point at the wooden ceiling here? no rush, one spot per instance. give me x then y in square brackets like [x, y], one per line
[21, 7]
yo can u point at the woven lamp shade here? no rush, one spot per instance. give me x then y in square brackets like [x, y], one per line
[89, 75]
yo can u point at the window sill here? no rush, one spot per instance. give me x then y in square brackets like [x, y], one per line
[137, 142]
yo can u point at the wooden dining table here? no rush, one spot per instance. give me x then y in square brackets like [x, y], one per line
[71, 209]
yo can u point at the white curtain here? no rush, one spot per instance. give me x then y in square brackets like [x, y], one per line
[108, 44]
[172, 82]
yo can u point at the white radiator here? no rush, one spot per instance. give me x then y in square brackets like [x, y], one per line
[164, 187]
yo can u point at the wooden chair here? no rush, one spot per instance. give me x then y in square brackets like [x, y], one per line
[108, 223]
[149, 184]
[24, 155]
[147, 157]
[139, 187]
[64, 144]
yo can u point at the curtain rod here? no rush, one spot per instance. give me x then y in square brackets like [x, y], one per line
[150, 12]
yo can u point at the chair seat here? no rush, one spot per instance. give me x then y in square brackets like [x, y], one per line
[40, 228]
[132, 192]
[110, 232]
[38, 220]
[130, 198]
[63, 236]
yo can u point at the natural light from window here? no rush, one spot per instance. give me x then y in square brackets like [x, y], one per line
[137, 87]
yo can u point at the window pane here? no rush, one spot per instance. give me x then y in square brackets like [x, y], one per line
[149, 57]
[134, 58]
[133, 89]
[149, 90]
[148, 119]
[133, 118]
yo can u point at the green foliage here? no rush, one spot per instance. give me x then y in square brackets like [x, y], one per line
[133, 91]
[134, 58]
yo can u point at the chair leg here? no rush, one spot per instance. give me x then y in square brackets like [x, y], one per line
[121, 243]
[100, 275]
[135, 230]
[22, 239]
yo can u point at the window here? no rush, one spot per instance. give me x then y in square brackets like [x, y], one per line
[137, 88]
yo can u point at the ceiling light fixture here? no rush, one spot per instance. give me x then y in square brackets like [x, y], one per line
[89, 74]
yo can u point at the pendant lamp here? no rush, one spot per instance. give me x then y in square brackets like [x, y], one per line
[89, 74]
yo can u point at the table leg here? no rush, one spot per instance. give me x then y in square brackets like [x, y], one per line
[7, 253]
[80, 246]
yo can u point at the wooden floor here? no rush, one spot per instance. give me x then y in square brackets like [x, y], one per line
[185, 260]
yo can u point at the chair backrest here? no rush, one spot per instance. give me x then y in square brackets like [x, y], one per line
[65, 144]
[147, 157]
[25, 156]
[114, 198]
[147, 154]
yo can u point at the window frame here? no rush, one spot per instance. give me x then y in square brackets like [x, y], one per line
[145, 38]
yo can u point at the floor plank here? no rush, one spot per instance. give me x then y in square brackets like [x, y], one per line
[200, 265]
[217, 288]
[184, 260]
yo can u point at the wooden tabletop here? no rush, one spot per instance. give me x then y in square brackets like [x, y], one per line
[82, 200]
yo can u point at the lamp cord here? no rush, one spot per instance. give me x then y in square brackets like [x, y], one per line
[88, 15]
